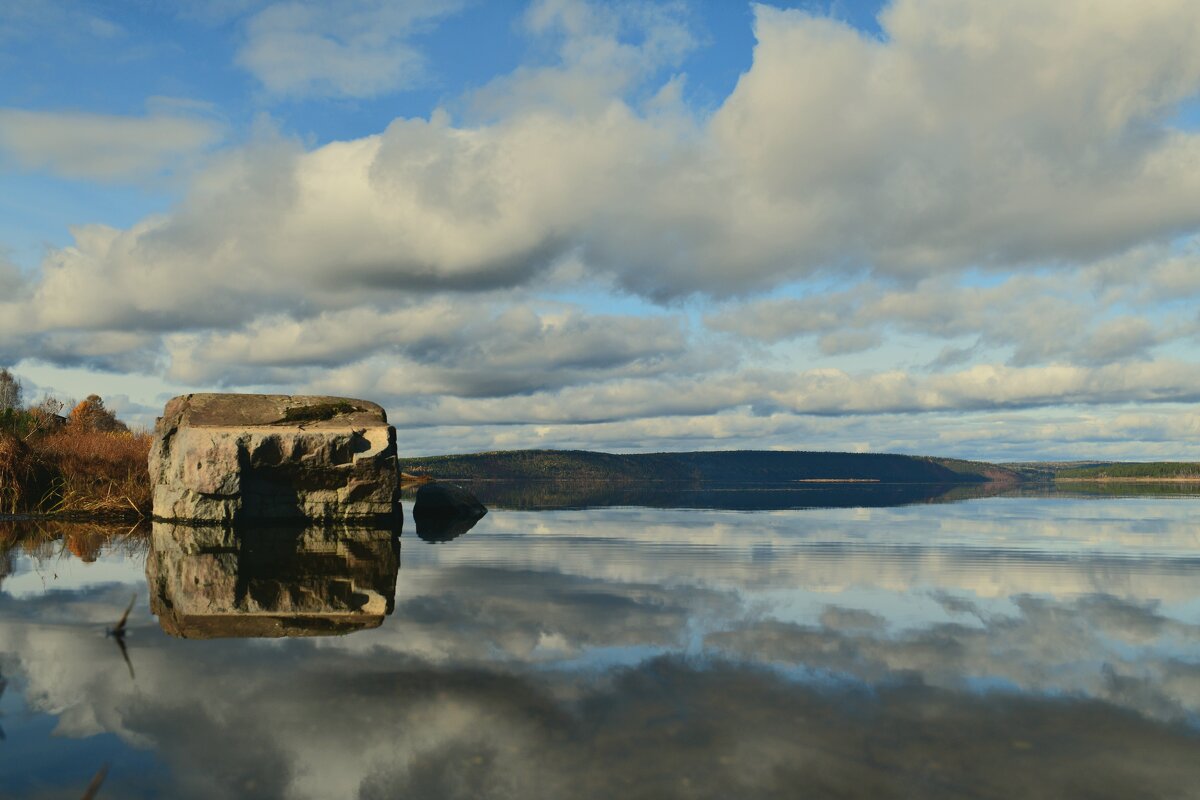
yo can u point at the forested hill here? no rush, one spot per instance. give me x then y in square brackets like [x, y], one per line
[731, 466]
[1146, 470]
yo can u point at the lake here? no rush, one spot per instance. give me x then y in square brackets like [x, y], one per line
[583, 642]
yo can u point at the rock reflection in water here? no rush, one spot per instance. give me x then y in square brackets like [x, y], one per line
[211, 582]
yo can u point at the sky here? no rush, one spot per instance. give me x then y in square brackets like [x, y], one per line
[953, 227]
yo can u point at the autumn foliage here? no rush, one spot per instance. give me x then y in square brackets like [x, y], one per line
[91, 416]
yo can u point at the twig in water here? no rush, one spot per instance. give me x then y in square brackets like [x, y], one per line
[125, 655]
[119, 630]
[118, 633]
[97, 781]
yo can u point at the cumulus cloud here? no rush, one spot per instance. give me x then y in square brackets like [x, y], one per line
[102, 147]
[775, 183]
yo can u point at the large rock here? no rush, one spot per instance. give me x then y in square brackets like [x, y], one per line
[209, 582]
[234, 457]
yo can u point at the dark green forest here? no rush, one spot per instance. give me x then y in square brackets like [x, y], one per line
[1161, 470]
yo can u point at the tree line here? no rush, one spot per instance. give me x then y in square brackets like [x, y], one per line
[90, 414]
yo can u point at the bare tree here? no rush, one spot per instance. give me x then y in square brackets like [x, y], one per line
[10, 391]
[45, 415]
[51, 406]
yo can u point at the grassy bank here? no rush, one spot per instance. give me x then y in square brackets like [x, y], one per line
[73, 471]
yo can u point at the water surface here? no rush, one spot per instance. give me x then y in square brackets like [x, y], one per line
[1020, 646]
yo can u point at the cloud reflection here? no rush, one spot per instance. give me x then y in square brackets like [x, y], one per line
[590, 661]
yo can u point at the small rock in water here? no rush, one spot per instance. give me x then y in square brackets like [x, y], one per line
[444, 511]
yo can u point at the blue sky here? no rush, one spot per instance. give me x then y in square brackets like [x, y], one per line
[963, 228]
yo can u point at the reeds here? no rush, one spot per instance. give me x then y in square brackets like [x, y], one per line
[73, 471]
[23, 475]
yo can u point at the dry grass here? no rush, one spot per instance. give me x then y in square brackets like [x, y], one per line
[76, 472]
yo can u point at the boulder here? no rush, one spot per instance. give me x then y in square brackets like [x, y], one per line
[226, 458]
[444, 511]
[212, 582]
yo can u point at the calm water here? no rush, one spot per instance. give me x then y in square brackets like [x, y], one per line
[990, 647]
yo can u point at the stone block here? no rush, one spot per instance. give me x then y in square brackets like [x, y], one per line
[226, 458]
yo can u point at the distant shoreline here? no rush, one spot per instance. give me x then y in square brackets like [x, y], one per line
[1191, 479]
[714, 466]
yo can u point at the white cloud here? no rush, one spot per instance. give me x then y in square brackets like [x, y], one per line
[598, 59]
[443, 346]
[11, 279]
[356, 49]
[102, 147]
[1045, 432]
[55, 21]
[824, 392]
[1091, 315]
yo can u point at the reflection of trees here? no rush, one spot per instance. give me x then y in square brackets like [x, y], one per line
[85, 545]
[45, 539]
[1117, 489]
[550, 494]
[7, 562]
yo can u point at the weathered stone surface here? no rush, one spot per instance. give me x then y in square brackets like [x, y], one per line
[444, 511]
[236, 457]
[208, 582]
